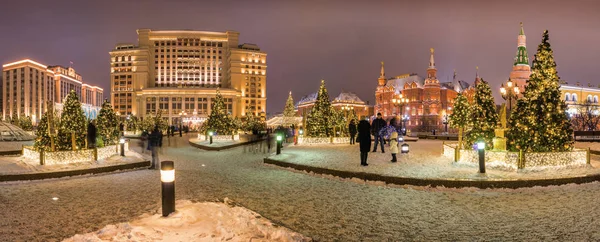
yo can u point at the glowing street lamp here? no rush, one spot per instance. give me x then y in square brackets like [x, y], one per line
[122, 145]
[167, 178]
[481, 148]
[279, 141]
[404, 148]
[211, 133]
[509, 93]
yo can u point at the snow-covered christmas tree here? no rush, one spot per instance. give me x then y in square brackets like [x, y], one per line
[540, 122]
[319, 120]
[289, 112]
[108, 124]
[73, 127]
[459, 118]
[483, 117]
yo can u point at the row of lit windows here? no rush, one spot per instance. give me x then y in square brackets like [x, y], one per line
[188, 42]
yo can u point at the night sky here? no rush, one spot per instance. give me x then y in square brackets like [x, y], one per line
[342, 42]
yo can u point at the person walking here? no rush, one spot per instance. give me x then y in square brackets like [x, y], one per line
[91, 134]
[394, 145]
[155, 138]
[376, 126]
[352, 130]
[364, 138]
[269, 141]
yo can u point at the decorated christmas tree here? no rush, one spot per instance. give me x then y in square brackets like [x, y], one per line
[107, 124]
[25, 123]
[483, 117]
[339, 121]
[540, 122]
[132, 123]
[73, 127]
[219, 120]
[459, 118]
[42, 133]
[253, 123]
[319, 120]
[289, 112]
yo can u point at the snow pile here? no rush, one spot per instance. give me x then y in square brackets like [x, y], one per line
[206, 221]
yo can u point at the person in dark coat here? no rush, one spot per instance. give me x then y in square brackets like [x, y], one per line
[91, 135]
[364, 138]
[352, 130]
[377, 125]
[155, 140]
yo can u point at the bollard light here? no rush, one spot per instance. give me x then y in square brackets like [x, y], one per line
[481, 148]
[400, 139]
[301, 132]
[404, 148]
[279, 139]
[122, 145]
[211, 135]
[167, 178]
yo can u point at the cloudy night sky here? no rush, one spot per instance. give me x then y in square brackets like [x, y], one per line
[342, 42]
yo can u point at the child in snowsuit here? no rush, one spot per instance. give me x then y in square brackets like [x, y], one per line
[394, 145]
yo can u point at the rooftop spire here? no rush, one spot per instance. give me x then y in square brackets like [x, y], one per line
[381, 79]
[521, 56]
[431, 61]
[382, 71]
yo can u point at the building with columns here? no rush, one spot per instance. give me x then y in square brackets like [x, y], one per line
[179, 72]
[344, 101]
[29, 86]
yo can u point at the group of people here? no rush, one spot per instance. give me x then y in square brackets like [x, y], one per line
[380, 130]
[154, 141]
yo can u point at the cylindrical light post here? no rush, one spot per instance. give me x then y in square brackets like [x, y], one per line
[481, 148]
[279, 139]
[167, 178]
[211, 135]
[122, 146]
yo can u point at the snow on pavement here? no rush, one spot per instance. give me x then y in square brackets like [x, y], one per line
[195, 222]
[320, 208]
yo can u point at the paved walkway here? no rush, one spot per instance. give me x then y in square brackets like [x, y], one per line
[324, 209]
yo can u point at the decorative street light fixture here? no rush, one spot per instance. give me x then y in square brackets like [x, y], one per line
[404, 148]
[167, 178]
[279, 141]
[122, 146]
[509, 93]
[400, 102]
[181, 114]
[481, 148]
[211, 133]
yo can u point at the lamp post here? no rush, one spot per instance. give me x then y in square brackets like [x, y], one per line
[399, 102]
[509, 93]
[181, 114]
[481, 149]
[211, 133]
[122, 146]
[279, 139]
[167, 178]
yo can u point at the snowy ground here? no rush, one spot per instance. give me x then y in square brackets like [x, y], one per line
[424, 160]
[196, 222]
[323, 209]
[19, 164]
[14, 145]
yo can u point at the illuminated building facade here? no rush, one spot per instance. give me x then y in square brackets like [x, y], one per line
[179, 73]
[344, 101]
[430, 101]
[29, 86]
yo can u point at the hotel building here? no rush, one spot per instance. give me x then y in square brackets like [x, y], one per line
[28, 87]
[179, 72]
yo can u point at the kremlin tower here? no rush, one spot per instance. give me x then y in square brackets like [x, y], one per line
[521, 69]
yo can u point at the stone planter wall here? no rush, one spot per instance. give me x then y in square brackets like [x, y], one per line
[235, 137]
[69, 157]
[574, 158]
[323, 140]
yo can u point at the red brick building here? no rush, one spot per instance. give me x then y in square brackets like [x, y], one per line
[429, 101]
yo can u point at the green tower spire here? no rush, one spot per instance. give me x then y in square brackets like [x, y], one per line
[521, 56]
